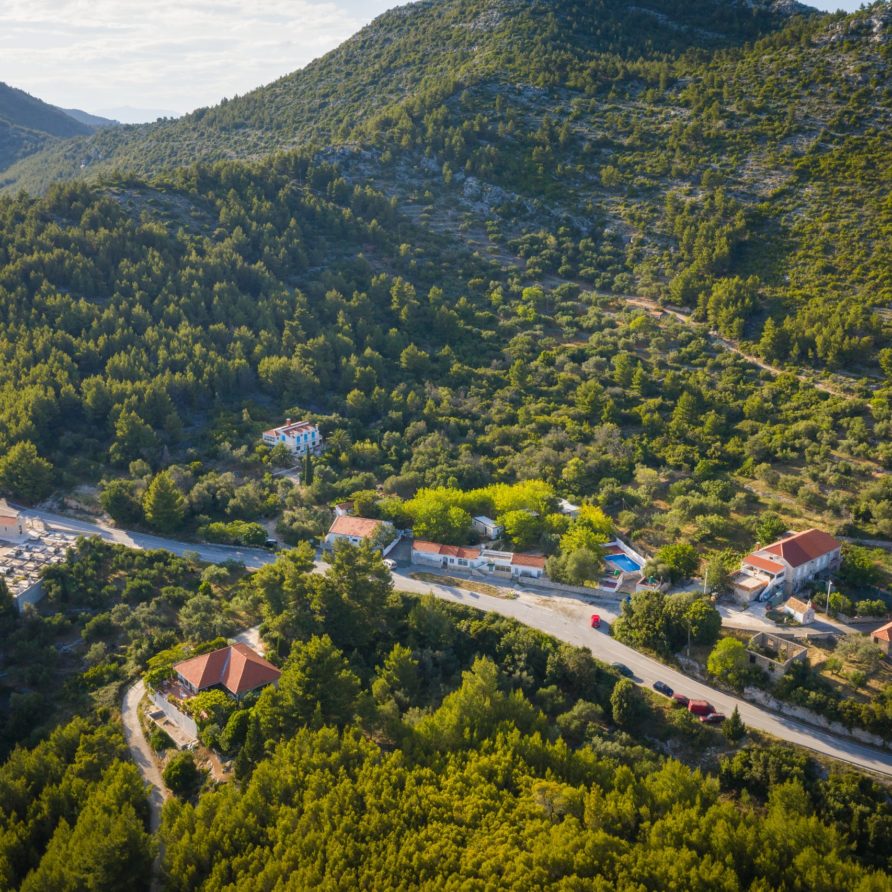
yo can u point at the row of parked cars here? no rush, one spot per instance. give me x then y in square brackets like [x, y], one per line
[700, 708]
[703, 709]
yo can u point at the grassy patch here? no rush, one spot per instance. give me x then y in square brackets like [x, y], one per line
[471, 585]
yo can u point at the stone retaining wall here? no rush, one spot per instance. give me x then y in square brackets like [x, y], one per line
[180, 719]
[763, 698]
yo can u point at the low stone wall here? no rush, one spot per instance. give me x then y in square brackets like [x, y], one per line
[763, 698]
[180, 719]
[600, 593]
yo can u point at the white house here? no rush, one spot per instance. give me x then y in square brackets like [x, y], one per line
[786, 565]
[299, 437]
[435, 555]
[356, 530]
[801, 611]
[531, 565]
[487, 560]
[487, 527]
[12, 524]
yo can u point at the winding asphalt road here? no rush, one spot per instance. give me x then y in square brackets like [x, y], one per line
[569, 620]
[565, 617]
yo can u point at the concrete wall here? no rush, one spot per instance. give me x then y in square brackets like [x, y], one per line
[788, 652]
[175, 715]
[31, 595]
[763, 698]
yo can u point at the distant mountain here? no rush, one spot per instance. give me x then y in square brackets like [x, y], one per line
[90, 120]
[28, 124]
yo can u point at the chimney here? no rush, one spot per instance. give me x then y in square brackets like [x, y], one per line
[287, 421]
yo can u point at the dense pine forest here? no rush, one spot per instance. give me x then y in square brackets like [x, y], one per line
[502, 253]
[408, 742]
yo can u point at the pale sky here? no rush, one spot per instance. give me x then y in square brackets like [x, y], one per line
[104, 56]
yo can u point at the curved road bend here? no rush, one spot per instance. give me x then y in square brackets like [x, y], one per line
[564, 618]
[568, 621]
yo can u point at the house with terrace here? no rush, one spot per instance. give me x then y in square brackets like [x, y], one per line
[298, 438]
[786, 565]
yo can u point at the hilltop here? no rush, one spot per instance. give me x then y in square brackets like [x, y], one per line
[400, 55]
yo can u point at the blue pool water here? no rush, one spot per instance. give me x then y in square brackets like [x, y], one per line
[623, 562]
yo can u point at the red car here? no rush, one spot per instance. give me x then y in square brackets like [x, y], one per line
[700, 707]
[714, 718]
[680, 700]
[596, 621]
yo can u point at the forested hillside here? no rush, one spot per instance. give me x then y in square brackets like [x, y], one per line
[501, 252]
[735, 169]
[150, 325]
[409, 743]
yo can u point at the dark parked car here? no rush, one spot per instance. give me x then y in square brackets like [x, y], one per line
[680, 700]
[272, 544]
[663, 688]
[714, 718]
[623, 669]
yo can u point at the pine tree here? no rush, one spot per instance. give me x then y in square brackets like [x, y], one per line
[773, 341]
[164, 504]
[308, 469]
[734, 728]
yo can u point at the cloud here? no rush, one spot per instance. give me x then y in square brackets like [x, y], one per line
[173, 54]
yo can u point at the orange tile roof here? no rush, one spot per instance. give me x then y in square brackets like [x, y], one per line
[528, 560]
[883, 633]
[764, 563]
[360, 527]
[7, 519]
[426, 547]
[797, 605]
[237, 667]
[804, 547]
[459, 551]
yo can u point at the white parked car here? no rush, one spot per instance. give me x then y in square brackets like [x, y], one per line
[390, 564]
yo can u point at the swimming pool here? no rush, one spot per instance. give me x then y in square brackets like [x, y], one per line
[623, 562]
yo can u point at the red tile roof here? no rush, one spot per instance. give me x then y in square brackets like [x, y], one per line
[797, 605]
[6, 519]
[528, 560]
[360, 527]
[764, 563]
[804, 547]
[883, 633]
[459, 551]
[237, 667]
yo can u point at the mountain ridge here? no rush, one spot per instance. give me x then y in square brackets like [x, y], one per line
[322, 102]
